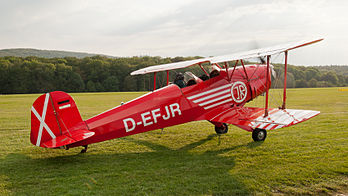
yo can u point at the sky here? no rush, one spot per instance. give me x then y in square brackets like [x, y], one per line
[178, 28]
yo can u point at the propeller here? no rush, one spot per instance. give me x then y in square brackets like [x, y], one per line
[262, 60]
[255, 45]
[274, 73]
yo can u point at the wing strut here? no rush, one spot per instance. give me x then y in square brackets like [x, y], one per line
[167, 77]
[234, 68]
[154, 80]
[246, 74]
[267, 81]
[226, 67]
[285, 72]
[200, 65]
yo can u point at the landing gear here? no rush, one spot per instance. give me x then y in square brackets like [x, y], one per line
[222, 129]
[259, 135]
[85, 149]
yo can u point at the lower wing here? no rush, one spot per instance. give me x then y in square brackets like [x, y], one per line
[250, 118]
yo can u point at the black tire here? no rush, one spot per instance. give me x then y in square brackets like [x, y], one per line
[259, 135]
[221, 130]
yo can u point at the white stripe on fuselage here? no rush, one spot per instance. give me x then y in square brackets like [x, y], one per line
[210, 91]
[211, 96]
[214, 100]
[219, 103]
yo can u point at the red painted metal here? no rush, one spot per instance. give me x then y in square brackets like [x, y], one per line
[57, 123]
[217, 64]
[73, 137]
[285, 74]
[250, 118]
[52, 115]
[217, 100]
[268, 81]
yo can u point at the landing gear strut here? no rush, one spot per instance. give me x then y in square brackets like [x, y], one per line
[222, 129]
[259, 135]
[85, 149]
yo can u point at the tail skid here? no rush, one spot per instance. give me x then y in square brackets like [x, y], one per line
[60, 122]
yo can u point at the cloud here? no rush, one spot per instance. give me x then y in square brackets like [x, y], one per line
[176, 28]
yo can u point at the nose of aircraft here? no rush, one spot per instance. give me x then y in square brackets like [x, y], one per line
[258, 81]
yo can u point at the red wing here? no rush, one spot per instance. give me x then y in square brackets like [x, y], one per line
[251, 118]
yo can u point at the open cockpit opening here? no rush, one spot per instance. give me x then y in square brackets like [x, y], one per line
[190, 79]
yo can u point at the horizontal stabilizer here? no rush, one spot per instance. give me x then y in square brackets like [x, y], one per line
[250, 118]
[69, 138]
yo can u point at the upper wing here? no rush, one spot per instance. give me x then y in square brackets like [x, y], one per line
[231, 57]
[250, 118]
[170, 66]
[263, 51]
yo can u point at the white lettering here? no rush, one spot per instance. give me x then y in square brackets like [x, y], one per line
[241, 91]
[146, 118]
[154, 115]
[125, 121]
[168, 114]
[176, 109]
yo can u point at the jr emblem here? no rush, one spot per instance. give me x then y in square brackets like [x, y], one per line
[239, 92]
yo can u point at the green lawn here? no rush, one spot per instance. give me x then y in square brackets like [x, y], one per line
[189, 159]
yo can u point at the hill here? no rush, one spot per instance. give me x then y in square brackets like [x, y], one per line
[25, 52]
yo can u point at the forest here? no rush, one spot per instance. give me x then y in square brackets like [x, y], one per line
[104, 74]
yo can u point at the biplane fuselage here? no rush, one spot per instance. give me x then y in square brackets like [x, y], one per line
[172, 105]
[57, 123]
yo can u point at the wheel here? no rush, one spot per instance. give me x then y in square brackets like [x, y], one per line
[259, 135]
[221, 130]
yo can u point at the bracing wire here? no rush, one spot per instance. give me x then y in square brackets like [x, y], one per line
[276, 95]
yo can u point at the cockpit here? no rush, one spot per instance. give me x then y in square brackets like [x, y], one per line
[189, 79]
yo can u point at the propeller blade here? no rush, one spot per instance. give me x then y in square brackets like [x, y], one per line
[262, 60]
[274, 73]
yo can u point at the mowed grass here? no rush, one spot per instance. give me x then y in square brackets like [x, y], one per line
[188, 159]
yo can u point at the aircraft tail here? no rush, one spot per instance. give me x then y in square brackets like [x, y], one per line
[56, 121]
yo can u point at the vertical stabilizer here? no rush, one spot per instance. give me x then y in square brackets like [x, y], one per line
[56, 121]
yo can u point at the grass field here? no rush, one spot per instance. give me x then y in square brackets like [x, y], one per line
[190, 159]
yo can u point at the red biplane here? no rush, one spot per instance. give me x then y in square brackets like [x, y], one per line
[218, 97]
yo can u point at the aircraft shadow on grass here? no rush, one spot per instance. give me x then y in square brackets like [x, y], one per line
[161, 171]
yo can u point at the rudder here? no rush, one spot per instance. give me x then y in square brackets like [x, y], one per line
[55, 120]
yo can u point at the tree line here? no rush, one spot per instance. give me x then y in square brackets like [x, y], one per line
[309, 77]
[103, 74]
